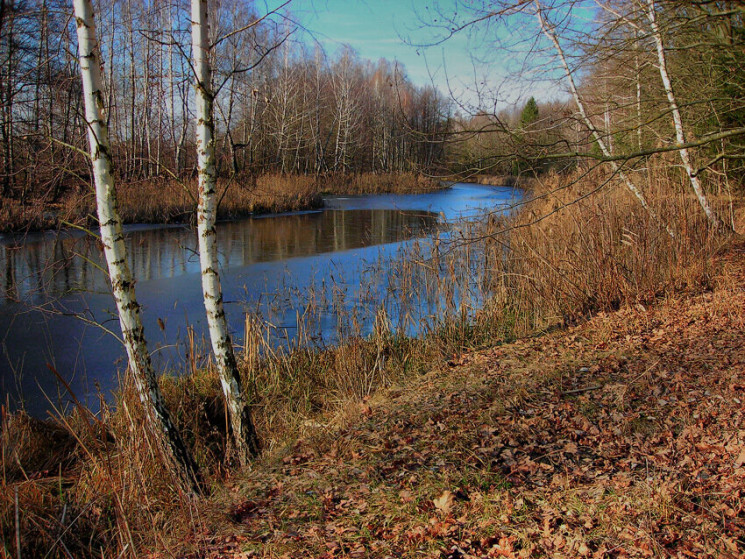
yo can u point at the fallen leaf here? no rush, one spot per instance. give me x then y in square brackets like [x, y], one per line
[444, 502]
[740, 459]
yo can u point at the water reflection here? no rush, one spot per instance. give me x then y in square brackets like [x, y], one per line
[54, 293]
[39, 267]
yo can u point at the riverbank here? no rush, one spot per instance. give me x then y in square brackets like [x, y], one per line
[522, 182]
[170, 201]
[620, 436]
[488, 433]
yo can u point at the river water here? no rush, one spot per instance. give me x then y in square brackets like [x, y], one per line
[56, 312]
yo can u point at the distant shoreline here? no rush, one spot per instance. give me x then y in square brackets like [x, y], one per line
[167, 201]
[499, 180]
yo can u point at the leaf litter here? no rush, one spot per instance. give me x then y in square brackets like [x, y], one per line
[620, 437]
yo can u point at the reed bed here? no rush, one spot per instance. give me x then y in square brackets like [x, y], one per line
[168, 200]
[377, 183]
[581, 246]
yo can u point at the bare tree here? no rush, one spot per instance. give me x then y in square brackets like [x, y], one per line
[677, 119]
[633, 188]
[112, 238]
[647, 10]
[279, 105]
[244, 434]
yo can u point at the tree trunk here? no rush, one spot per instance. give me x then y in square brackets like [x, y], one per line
[122, 284]
[677, 119]
[591, 127]
[244, 434]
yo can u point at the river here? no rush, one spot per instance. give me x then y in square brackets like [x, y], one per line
[56, 312]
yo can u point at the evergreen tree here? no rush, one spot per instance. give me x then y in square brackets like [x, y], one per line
[529, 114]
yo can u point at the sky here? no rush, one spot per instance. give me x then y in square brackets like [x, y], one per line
[377, 29]
[394, 29]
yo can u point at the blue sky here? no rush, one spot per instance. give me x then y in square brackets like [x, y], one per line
[480, 67]
[393, 29]
[374, 28]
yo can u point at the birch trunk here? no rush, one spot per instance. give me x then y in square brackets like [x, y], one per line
[677, 119]
[639, 120]
[122, 284]
[244, 434]
[635, 190]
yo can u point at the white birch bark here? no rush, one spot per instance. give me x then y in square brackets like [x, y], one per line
[635, 190]
[677, 119]
[122, 283]
[639, 121]
[244, 435]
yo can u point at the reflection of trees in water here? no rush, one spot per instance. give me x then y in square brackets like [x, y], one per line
[53, 265]
[304, 235]
[49, 266]
[10, 290]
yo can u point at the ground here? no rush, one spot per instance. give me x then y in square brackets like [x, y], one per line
[620, 437]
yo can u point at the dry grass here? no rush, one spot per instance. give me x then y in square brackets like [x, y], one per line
[15, 216]
[378, 183]
[170, 201]
[502, 180]
[570, 253]
[554, 263]
[595, 440]
[559, 259]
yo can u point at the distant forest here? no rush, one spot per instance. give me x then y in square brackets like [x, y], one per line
[281, 105]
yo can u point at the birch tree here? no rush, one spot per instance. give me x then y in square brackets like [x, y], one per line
[244, 434]
[677, 119]
[548, 31]
[112, 238]
[649, 10]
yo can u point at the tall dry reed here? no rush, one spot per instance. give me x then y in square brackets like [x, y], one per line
[581, 246]
[167, 200]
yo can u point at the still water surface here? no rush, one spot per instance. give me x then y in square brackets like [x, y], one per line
[55, 305]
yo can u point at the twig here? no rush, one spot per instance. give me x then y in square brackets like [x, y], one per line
[580, 390]
[18, 527]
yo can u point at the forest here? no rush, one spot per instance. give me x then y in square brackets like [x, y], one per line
[558, 373]
[282, 106]
[285, 107]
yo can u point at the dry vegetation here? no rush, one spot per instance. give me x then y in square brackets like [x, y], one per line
[379, 183]
[621, 437]
[169, 201]
[552, 446]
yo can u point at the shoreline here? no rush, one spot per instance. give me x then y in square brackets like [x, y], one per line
[167, 202]
[581, 379]
[587, 353]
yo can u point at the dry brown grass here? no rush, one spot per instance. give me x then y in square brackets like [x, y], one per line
[501, 180]
[377, 183]
[104, 486]
[167, 201]
[171, 201]
[593, 441]
[561, 258]
[571, 252]
[15, 216]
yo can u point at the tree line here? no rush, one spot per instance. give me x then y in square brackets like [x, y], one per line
[281, 104]
[640, 79]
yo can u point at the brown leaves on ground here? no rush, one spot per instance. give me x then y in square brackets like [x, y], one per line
[622, 437]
